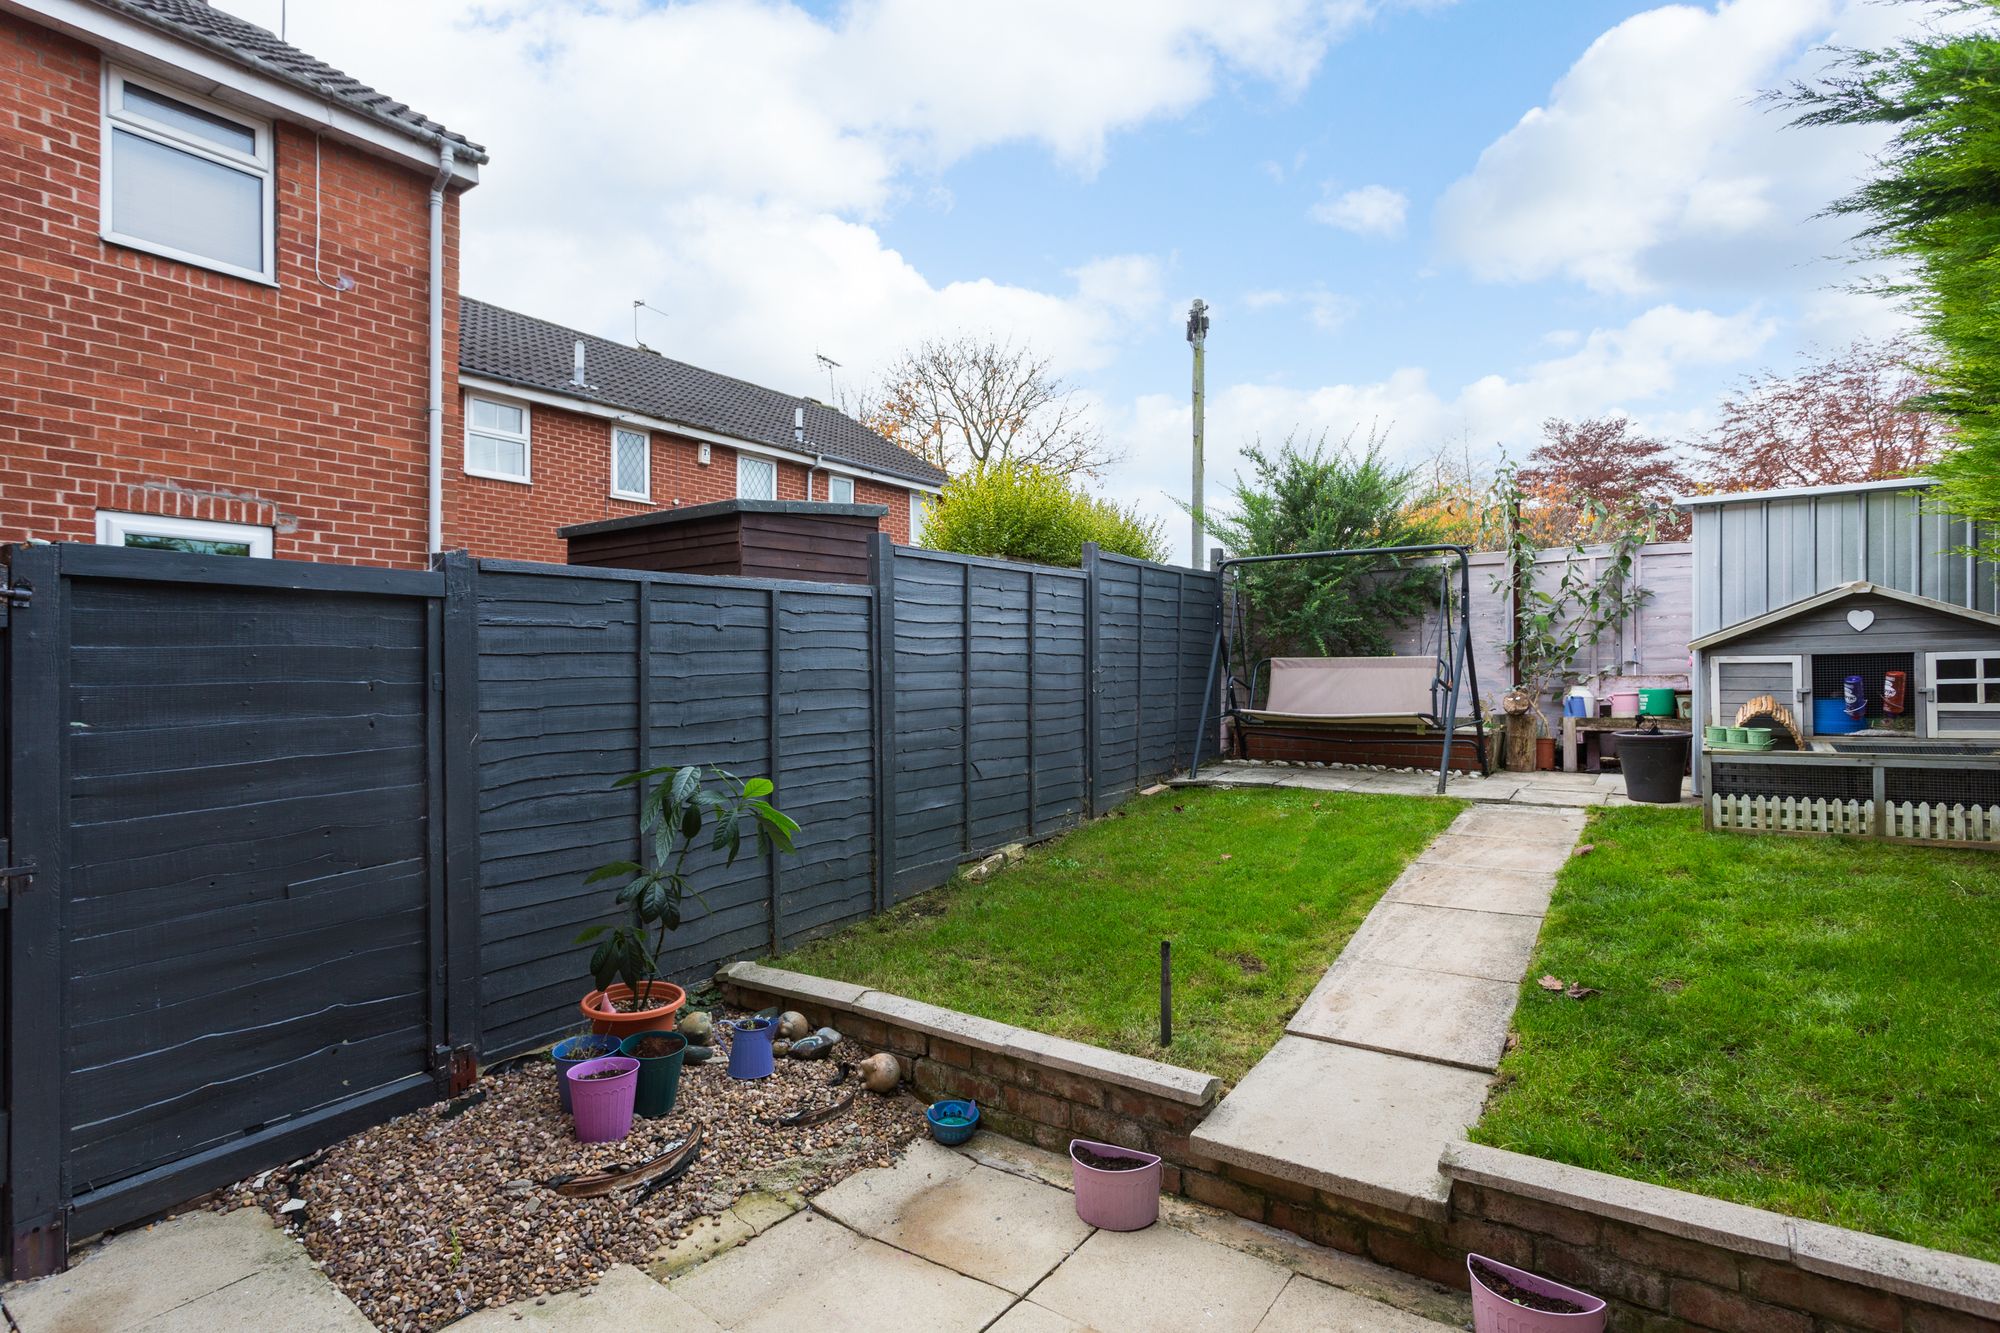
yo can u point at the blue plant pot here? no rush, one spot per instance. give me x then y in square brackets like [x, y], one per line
[952, 1122]
[750, 1048]
[574, 1051]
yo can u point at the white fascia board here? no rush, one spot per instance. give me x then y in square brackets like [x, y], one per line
[480, 384]
[1804, 492]
[149, 50]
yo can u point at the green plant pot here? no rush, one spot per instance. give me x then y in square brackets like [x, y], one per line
[1760, 736]
[1738, 736]
[659, 1075]
[1715, 735]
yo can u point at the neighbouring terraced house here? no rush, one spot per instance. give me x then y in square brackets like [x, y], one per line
[230, 278]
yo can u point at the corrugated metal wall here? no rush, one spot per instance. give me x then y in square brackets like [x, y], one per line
[1758, 553]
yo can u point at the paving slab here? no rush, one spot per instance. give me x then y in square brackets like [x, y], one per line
[810, 1272]
[623, 1299]
[1441, 1016]
[1545, 854]
[1306, 1306]
[1028, 1317]
[1520, 892]
[943, 1206]
[1344, 1119]
[1536, 793]
[1161, 1281]
[1527, 823]
[231, 1265]
[1491, 945]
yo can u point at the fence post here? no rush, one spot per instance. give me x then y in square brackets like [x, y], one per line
[1090, 656]
[775, 696]
[1034, 788]
[882, 576]
[461, 815]
[37, 1156]
[965, 710]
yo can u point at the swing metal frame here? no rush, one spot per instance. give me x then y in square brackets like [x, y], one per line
[1457, 672]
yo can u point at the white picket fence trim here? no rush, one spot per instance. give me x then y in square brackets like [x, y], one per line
[1922, 821]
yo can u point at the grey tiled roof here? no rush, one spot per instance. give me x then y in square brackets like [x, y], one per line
[244, 43]
[533, 353]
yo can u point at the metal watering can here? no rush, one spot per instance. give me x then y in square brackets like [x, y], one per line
[750, 1046]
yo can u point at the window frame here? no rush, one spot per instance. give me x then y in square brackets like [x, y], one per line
[771, 463]
[526, 439]
[112, 117]
[115, 525]
[646, 438]
[1987, 684]
[831, 478]
[920, 507]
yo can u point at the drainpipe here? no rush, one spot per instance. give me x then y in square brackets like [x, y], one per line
[435, 423]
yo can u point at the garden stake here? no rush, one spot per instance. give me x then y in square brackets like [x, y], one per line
[1166, 993]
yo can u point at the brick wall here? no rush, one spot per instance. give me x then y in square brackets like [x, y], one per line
[138, 383]
[1702, 1265]
[570, 470]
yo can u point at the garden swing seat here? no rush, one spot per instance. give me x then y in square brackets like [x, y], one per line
[1371, 693]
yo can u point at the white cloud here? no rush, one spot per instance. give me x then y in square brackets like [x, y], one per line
[1372, 210]
[1653, 162]
[1633, 369]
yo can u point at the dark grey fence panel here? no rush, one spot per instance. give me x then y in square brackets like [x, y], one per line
[756, 677]
[1155, 629]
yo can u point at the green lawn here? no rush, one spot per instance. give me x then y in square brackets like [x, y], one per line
[1805, 1024]
[1258, 890]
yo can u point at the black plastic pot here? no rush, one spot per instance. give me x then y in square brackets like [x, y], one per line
[1653, 763]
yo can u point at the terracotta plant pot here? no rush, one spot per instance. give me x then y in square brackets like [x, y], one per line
[1545, 753]
[597, 1007]
[1494, 1313]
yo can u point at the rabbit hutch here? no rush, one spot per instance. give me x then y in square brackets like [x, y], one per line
[1863, 707]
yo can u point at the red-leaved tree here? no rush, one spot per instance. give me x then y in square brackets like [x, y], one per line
[1605, 462]
[1842, 419]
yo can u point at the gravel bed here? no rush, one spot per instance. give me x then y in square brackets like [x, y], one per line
[425, 1219]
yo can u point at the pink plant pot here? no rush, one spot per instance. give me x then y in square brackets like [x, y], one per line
[603, 1106]
[1494, 1313]
[1116, 1200]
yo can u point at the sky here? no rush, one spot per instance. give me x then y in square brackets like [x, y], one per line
[1442, 220]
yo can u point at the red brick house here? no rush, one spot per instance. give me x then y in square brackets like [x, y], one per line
[229, 275]
[564, 428]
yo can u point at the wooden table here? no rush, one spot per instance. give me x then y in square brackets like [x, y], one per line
[1589, 729]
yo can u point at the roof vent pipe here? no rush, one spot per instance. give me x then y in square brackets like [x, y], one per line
[576, 376]
[799, 424]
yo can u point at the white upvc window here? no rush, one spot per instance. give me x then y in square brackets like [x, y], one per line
[186, 178]
[152, 532]
[1961, 684]
[631, 464]
[839, 490]
[496, 439]
[920, 508]
[756, 478]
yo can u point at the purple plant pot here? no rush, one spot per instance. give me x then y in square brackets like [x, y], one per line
[1494, 1313]
[1116, 1200]
[603, 1106]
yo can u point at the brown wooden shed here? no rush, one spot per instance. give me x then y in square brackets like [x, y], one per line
[778, 539]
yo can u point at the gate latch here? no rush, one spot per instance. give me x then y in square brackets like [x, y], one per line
[8, 876]
[16, 594]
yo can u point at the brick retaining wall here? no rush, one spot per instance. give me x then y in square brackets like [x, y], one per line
[1664, 1259]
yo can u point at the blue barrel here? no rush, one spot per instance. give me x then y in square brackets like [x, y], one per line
[1830, 718]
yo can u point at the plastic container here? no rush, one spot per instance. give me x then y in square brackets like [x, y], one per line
[750, 1047]
[603, 1106]
[1656, 703]
[1116, 1200]
[659, 1075]
[1585, 700]
[952, 1122]
[598, 1007]
[1736, 735]
[1494, 1313]
[573, 1052]
[1715, 735]
[1624, 703]
[1653, 762]
[1830, 718]
[1757, 736]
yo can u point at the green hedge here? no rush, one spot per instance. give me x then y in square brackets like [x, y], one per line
[1027, 513]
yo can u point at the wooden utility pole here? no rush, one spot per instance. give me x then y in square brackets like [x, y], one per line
[1197, 336]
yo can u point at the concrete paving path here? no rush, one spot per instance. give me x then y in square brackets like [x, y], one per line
[1390, 1056]
[985, 1237]
[1560, 790]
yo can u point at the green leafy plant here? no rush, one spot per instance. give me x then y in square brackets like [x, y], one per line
[1021, 512]
[679, 806]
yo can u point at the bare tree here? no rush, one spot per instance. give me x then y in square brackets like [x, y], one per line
[1844, 419]
[966, 402]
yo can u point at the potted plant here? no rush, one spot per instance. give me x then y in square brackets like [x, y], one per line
[1506, 1299]
[631, 997]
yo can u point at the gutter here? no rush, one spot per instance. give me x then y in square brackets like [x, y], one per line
[434, 426]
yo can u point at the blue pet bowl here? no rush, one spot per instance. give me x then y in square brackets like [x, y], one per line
[952, 1122]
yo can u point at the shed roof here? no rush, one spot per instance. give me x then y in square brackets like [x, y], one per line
[1841, 593]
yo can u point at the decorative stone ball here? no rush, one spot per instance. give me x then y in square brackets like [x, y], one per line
[780, 1047]
[698, 1028]
[792, 1025]
[880, 1073]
